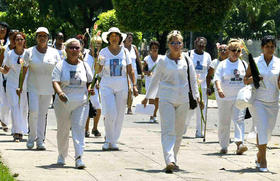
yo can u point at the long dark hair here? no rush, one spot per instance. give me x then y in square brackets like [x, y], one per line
[8, 30]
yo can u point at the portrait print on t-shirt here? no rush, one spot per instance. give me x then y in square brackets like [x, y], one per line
[115, 67]
[198, 66]
[75, 79]
[236, 77]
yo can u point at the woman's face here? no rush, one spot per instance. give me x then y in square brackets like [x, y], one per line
[234, 52]
[200, 45]
[3, 31]
[114, 38]
[19, 41]
[42, 38]
[73, 50]
[268, 49]
[129, 40]
[175, 45]
[154, 50]
[223, 52]
[96, 45]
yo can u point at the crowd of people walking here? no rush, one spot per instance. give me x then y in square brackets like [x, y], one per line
[83, 83]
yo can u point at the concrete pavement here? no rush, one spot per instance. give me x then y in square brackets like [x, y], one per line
[140, 156]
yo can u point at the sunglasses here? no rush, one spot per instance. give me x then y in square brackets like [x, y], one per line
[223, 50]
[74, 48]
[173, 43]
[236, 50]
[19, 39]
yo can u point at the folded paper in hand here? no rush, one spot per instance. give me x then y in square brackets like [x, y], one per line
[148, 110]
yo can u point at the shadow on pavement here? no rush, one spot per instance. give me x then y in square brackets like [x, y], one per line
[53, 166]
[219, 154]
[25, 149]
[144, 122]
[248, 170]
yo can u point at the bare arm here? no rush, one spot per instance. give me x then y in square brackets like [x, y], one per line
[19, 90]
[219, 89]
[130, 72]
[4, 70]
[208, 79]
[248, 79]
[58, 90]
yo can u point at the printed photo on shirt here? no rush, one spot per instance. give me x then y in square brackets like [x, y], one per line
[75, 78]
[236, 74]
[115, 67]
[198, 66]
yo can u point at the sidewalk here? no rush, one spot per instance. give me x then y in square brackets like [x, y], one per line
[140, 156]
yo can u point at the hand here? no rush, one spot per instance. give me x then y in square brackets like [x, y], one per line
[144, 102]
[63, 97]
[91, 92]
[135, 91]
[201, 104]
[150, 73]
[221, 93]
[97, 86]
[142, 75]
[209, 91]
[18, 90]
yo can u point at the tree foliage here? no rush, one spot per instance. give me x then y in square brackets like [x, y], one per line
[162, 15]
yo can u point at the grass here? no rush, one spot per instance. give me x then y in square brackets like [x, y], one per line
[5, 174]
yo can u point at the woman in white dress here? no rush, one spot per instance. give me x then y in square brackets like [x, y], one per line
[171, 80]
[150, 63]
[115, 67]
[13, 65]
[265, 107]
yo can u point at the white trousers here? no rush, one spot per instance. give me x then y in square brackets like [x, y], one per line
[199, 122]
[4, 105]
[18, 111]
[38, 109]
[173, 118]
[71, 115]
[228, 112]
[113, 109]
[265, 115]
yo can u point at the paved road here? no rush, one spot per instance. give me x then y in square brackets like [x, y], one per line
[140, 156]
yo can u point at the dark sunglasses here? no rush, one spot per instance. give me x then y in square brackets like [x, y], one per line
[173, 43]
[223, 50]
[236, 50]
[74, 48]
[19, 39]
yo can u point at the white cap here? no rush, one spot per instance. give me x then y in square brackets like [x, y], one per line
[112, 30]
[42, 29]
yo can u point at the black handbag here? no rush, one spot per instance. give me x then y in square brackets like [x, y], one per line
[193, 102]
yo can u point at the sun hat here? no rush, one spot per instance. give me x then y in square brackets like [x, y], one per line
[42, 29]
[112, 30]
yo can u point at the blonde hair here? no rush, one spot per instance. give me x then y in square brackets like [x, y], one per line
[234, 43]
[95, 39]
[174, 33]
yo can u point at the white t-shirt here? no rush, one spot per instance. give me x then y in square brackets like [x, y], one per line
[90, 60]
[40, 69]
[214, 64]
[12, 61]
[270, 74]
[171, 80]
[149, 61]
[230, 74]
[114, 69]
[73, 79]
[201, 64]
[133, 57]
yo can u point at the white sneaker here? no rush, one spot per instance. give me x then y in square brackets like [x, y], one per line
[60, 160]
[106, 146]
[151, 119]
[29, 144]
[79, 164]
[114, 146]
[41, 145]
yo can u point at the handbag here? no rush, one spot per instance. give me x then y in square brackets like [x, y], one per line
[192, 101]
[245, 97]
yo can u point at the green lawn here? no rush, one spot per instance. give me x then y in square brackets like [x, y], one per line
[5, 174]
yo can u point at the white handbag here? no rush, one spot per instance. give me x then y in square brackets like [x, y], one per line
[245, 97]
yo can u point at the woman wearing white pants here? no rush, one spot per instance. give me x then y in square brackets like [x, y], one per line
[171, 80]
[229, 80]
[115, 66]
[70, 78]
[12, 66]
[39, 60]
[265, 107]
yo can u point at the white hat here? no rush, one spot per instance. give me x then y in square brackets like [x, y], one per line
[42, 29]
[112, 30]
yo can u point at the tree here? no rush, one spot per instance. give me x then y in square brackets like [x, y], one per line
[161, 16]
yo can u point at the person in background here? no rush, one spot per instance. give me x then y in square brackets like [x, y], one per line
[71, 81]
[201, 61]
[114, 84]
[228, 81]
[134, 55]
[83, 41]
[95, 106]
[150, 63]
[19, 107]
[39, 60]
[171, 80]
[265, 107]
[58, 44]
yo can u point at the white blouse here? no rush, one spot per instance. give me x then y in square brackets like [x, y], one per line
[171, 80]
